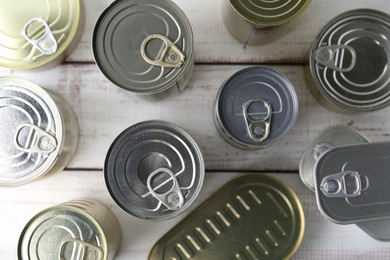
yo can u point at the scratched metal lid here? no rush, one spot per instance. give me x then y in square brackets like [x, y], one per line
[332, 136]
[251, 217]
[143, 46]
[154, 170]
[255, 107]
[34, 33]
[31, 131]
[352, 183]
[269, 13]
[62, 232]
[349, 60]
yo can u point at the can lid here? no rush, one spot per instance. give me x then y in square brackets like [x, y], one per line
[60, 232]
[154, 170]
[144, 46]
[332, 136]
[251, 217]
[31, 39]
[31, 131]
[255, 107]
[352, 183]
[349, 60]
[269, 13]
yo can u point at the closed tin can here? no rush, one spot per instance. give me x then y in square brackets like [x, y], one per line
[38, 132]
[255, 107]
[154, 170]
[144, 46]
[259, 22]
[349, 62]
[332, 136]
[81, 229]
[251, 217]
[37, 33]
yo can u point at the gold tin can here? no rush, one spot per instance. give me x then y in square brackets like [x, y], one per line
[79, 229]
[37, 33]
[258, 22]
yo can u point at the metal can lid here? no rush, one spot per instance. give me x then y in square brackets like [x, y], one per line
[269, 13]
[31, 39]
[349, 60]
[352, 183]
[332, 136]
[154, 170]
[144, 46]
[59, 232]
[256, 107]
[31, 131]
[251, 217]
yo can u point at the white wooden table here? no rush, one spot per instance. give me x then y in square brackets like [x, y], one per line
[104, 111]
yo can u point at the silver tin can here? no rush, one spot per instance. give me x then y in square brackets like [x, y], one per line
[332, 136]
[38, 132]
[154, 170]
[255, 107]
[259, 22]
[349, 62]
[144, 46]
[81, 229]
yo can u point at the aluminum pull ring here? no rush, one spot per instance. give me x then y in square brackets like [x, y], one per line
[325, 56]
[84, 250]
[335, 186]
[39, 141]
[171, 56]
[258, 130]
[46, 44]
[173, 199]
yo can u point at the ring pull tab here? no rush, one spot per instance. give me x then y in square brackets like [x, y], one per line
[173, 199]
[171, 56]
[346, 184]
[38, 141]
[258, 130]
[321, 148]
[46, 44]
[325, 56]
[74, 249]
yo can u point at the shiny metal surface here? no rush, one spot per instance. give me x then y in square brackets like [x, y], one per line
[27, 39]
[154, 170]
[255, 107]
[251, 217]
[131, 36]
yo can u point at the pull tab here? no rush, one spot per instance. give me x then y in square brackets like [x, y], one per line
[342, 185]
[46, 44]
[173, 199]
[171, 56]
[320, 149]
[325, 56]
[258, 130]
[74, 249]
[39, 141]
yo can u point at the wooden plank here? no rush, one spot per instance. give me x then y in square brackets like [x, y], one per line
[213, 43]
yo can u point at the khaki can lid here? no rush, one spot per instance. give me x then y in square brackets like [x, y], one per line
[251, 217]
[31, 131]
[34, 33]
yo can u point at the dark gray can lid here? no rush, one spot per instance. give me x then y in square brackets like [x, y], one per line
[349, 60]
[154, 170]
[256, 107]
[125, 27]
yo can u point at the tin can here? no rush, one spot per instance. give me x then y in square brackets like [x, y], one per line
[260, 22]
[38, 132]
[81, 229]
[251, 217]
[144, 46]
[349, 62]
[255, 107]
[38, 33]
[332, 136]
[154, 170]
